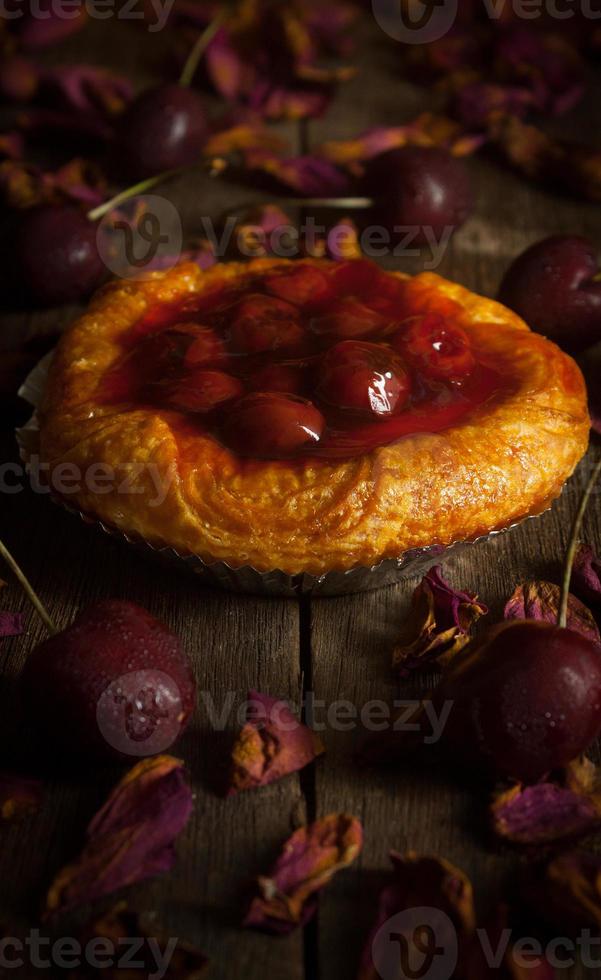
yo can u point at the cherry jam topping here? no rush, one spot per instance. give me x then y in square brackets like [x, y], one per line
[310, 361]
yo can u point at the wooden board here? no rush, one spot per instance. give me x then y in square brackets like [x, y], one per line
[339, 649]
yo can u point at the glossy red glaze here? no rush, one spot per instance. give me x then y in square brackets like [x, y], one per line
[271, 424]
[369, 378]
[373, 358]
[439, 349]
[202, 390]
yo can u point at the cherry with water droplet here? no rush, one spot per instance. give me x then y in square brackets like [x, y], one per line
[116, 682]
[555, 286]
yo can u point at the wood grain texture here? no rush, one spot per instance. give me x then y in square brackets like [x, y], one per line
[340, 647]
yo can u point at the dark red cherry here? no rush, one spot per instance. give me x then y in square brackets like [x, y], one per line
[303, 285]
[115, 682]
[289, 378]
[272, 425]
[261, 323]
[554, 287]
[364, 377]
[57, 255]
[206, 348]
[439, 349]
[349, 318]
[526, 699]
[202, 390]
[163, 129]
[420, 187]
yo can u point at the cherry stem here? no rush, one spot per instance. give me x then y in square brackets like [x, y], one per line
[139, 188]
[202, 43]
[31, 595]
[354, 203]
[562, 617]
[213, 166]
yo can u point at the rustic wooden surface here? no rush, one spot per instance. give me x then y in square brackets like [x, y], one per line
[337, 648]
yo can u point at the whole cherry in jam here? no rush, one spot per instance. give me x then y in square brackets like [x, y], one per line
[206, 348]
[271, 425]
[202, 390]
[303, 286]
[439, 349]
[364, 377]
[262, 323]
[349, 318]
[290, 378]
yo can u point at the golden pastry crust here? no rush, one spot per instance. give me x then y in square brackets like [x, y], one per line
[506, 460]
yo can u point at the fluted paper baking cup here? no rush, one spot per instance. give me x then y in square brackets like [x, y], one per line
[244, 578]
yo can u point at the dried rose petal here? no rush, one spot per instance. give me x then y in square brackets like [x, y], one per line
[567, 892]
[19, 796]
[24, 186]
[272, 744]
[586, 576]
[11, 624]
[550, 811]
[540, 600]
[87, 90]
[427, 129]
[477, 103]
[438, 625]
[573, 167]
[287, 898]
[264, 55]
[119, 924]
[308, 175]
[131, 837]
[549, 65]
[260, 231]
[426, 895]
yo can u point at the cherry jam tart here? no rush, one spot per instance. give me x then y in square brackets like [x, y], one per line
[306, 360]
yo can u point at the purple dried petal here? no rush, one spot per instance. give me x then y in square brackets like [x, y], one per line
[131, 837]
[548, 65]
[439, 623]
[272, 744]
[307, 175]
[540, 601]
[87, 90]
[476, 103]
[310, 858]
[11, 624]
[421, 882]
[543, 813]
[586, 575]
